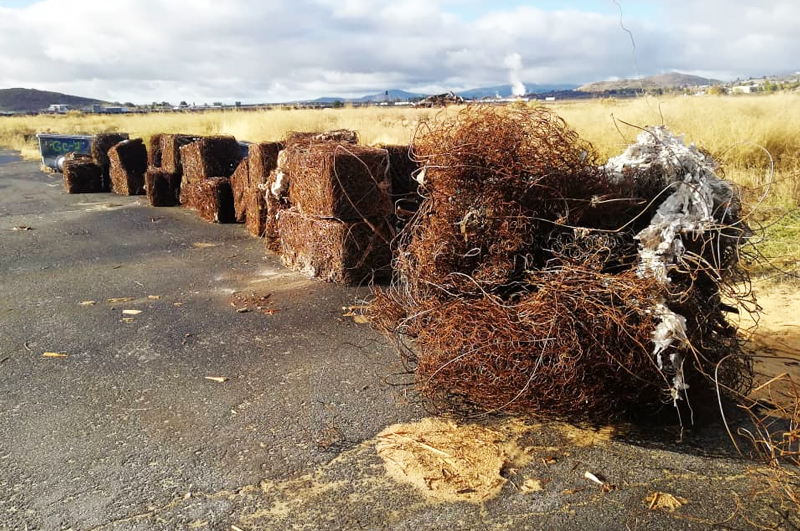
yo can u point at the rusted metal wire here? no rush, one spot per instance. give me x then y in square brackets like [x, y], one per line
[773, 435]
[515, 284]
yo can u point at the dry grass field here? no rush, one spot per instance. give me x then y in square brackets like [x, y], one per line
[738, 131]
[730, 127]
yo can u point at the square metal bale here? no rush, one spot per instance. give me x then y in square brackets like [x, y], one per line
[128, 165]
[335, 251]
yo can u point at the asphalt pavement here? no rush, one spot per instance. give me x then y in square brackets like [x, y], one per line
[160, 372]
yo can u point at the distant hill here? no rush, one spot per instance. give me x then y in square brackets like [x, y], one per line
[662, 81]
[24, 100]
[505, 91]
[393, 95]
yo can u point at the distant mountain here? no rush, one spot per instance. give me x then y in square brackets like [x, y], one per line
[391, 95]
[662, 81]
[505, 91]
[325, 100]
[24, 100]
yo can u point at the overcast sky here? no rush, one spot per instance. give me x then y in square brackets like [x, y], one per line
[269, 51]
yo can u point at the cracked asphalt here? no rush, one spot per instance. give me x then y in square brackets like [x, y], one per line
[124, 430]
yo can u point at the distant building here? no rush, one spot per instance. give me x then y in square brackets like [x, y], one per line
[748, 86]
[58, 108]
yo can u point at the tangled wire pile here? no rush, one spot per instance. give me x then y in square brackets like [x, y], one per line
[534, 279]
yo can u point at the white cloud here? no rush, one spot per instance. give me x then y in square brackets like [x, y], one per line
[204, 50]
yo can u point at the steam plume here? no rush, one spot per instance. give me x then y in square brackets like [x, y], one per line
[514, 64]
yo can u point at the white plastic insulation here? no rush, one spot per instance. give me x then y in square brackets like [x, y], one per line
[696, 195]
[671, 332]
[280, 186]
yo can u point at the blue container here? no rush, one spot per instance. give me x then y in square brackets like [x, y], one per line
[244, 147]
[54, 147]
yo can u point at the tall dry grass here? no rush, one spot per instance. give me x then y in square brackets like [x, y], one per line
[745, 134]
[756, 140]
[731, 128]
[374, 124]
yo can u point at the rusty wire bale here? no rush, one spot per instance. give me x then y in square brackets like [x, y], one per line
[515, 283]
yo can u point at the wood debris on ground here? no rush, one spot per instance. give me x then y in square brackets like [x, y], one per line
[534, 485]
[445, 461]
[664, 501]
[251, 301]
[356, 312]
